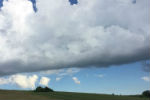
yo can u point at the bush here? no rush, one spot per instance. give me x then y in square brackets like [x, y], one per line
[146, 93]
[45, 89]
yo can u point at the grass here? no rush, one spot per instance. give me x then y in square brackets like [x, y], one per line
[29, 95]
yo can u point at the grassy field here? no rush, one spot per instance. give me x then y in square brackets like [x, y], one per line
[29, 95]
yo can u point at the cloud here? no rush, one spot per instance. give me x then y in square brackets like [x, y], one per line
[53, 71]
[62, 72]
[146, 78]
[100, 75]
[4, 81]
[69, 71]
[22, 81]
[58, 78]
[91, 33]
[75, 79]
[146, 65]
[44, 81]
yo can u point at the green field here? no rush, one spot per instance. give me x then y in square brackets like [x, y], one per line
[29, 95]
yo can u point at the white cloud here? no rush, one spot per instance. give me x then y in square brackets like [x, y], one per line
[44, 81]
[146, 78]
[100, 75]
[54, 71]
[87, 36]
[69, 71]
[22, 81]
[5, 81]
[62, 72]
[75, 79]
[58, 78]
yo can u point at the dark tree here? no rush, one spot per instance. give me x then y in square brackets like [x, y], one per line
[41, 89]
[146, 93]
[113, 94]
[47, 89]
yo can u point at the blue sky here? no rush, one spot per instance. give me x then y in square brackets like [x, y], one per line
[73, 46]
[1, 3]
[122, 79]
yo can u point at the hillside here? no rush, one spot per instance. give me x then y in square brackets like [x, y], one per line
[29, 95]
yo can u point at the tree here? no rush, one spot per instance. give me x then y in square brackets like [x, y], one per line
[45, 89]
[39, 89]
[146, 93]
[113, 94]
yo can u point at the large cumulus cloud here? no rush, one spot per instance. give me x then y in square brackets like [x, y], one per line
[92, 33]
[21, 81]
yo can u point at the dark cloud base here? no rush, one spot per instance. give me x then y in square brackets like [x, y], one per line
[18, 66]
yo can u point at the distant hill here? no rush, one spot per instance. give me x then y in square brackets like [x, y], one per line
[30, 95]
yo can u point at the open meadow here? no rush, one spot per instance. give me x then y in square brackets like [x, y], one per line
[30, 95]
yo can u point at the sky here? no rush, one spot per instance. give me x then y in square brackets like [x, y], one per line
[75, 45]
